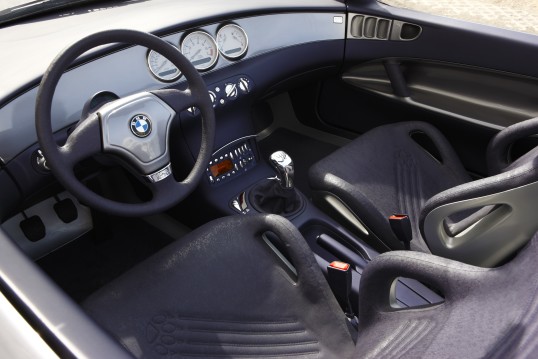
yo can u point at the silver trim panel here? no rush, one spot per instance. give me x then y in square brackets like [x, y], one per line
[491, 239]
[148, 153]
[19, 340]
[160, 174]
[57, 234]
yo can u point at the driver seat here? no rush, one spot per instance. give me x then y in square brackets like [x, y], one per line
[224, 292]
[410, 168]
[227, 289]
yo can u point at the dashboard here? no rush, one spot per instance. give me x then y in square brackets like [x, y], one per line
[128, 71]
[244, 52]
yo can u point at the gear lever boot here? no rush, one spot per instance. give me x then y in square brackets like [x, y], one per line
[278, 195]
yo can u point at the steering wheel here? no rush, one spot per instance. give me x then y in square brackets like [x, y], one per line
[135, 128]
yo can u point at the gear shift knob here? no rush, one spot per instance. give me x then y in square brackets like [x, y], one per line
[283, 165]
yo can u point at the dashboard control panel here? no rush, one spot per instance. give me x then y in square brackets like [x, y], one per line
[231, 161]
[226, 91]
[229, 90]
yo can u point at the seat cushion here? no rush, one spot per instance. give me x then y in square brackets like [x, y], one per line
[221, 291]
[385, 171]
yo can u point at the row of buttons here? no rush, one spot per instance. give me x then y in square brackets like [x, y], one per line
[228, 90]
[242, 150]
[241, 157]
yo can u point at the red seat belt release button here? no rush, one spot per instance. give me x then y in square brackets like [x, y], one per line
[339, 276]
[401, 227]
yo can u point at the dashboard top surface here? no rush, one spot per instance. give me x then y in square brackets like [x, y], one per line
[29, 47]
[33, 45]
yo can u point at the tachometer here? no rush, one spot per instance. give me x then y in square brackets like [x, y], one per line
[162, 68]
[200, 48]
[232, 41]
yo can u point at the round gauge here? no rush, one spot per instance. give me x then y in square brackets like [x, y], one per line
[232, 41]
[200, 48]
[161, 67]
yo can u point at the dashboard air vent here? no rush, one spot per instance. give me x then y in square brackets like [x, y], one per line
[370, 27]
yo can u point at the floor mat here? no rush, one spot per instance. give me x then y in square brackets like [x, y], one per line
[304, 151]
[115, 245]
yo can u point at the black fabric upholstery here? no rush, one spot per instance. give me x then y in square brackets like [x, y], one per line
[521, 172]
[384, 172]
[504, 174]
[269, 197]
[487, 313]
[222, 292]
[499, 147]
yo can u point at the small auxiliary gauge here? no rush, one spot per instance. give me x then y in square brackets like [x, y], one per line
[201, 50]
[161, 67]
[232, 41]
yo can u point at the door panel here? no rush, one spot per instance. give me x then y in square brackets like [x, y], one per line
[444, 39]
[469, 80]
[489, 98]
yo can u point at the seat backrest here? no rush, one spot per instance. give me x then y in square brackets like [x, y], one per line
[487, 312]
[510, 218]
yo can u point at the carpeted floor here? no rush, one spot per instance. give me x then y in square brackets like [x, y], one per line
[89, 262]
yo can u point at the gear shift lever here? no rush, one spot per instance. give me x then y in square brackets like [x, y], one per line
[283, 165]
[280, 196]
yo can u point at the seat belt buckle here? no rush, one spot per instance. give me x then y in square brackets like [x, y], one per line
[340, 276]
[401, 227]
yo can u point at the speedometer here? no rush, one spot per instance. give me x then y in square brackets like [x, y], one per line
[232, 41]
[161, 67]
[200, 48]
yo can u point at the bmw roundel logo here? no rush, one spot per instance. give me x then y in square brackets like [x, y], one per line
[141, 126]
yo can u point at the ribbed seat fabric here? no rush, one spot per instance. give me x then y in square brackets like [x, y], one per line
[487, 313]
[385, 171]
[221, 291]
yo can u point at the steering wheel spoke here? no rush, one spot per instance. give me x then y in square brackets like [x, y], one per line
[84, 142]
[177, 99]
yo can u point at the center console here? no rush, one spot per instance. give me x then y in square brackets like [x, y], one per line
[237, 170]
[239, 181]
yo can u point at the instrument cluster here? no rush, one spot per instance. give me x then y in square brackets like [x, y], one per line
[202, 49]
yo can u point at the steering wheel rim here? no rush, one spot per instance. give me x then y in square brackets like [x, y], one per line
[166, 192]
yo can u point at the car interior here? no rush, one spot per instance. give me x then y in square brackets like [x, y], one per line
[269, 179]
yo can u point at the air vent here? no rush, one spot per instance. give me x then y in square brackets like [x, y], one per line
[377, 28]
[404, 31]
[410, 31]
[370, 27]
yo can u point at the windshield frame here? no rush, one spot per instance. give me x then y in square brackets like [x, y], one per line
[21, 10]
